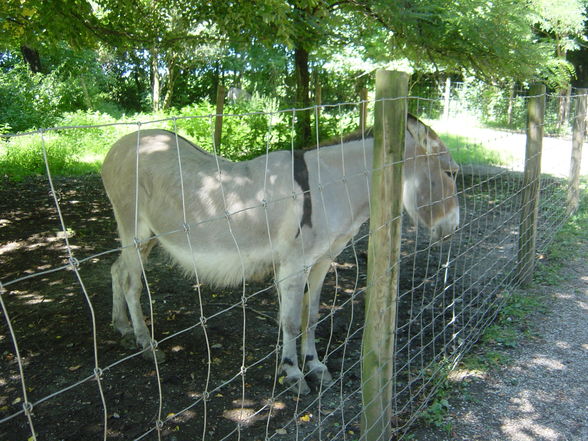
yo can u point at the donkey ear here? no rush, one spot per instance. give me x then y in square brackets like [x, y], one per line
[419, 132]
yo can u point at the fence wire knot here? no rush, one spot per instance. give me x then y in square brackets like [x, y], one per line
[137, 242]
[159, 424]
[264, 203]
[186, 227]
[294, 195]
[27, 406]
[74, 263]
[98, 373]
[153, 344]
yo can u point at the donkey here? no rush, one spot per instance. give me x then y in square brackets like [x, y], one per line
[286, 214]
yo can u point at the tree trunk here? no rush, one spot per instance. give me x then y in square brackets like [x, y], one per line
[32, 58]
[139, 82]
[172, 73]
[579, 59]
[87, 97]
[303, 132]
[216, 81]
[155, 82]
[318, 96]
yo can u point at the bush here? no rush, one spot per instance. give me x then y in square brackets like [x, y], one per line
[248, 127]
[81, 139]
[28, 100]
[69, 151]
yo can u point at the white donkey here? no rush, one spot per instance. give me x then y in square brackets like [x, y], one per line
[283, 214]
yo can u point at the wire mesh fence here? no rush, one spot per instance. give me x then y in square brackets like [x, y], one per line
[65, 375]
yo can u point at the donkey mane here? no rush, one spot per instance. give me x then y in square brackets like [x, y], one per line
[187, 141]
[359, 134]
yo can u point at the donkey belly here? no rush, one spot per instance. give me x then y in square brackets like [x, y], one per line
[221, 267]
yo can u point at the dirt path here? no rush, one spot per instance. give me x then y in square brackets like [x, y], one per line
[542, 394]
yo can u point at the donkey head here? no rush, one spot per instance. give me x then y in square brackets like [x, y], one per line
[430, 191]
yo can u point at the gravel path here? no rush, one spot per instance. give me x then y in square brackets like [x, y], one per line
[543, 393]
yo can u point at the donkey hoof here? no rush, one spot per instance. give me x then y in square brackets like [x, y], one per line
[128, 341]
[298, 385]
[156, 354]
[322, 376]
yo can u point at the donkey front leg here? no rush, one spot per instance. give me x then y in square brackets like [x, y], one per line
[291, 282]
[315, 368]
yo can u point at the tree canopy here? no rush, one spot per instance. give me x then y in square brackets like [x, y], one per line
[137, 54]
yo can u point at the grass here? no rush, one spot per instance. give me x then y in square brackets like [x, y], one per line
[69, 152]
[464, 151]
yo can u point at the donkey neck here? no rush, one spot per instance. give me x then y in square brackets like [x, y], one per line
[347, 159]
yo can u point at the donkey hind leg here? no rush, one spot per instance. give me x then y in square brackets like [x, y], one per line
[315, 368]
[120, 318]
[126, 277]
[291, 282]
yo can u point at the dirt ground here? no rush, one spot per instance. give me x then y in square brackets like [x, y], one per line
[63, 328]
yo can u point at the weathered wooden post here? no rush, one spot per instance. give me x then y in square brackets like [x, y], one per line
[531, 184]
[377, 361]
[218, 120]
[579, 131]
[446, 98]
[363, 107]
[318, 100]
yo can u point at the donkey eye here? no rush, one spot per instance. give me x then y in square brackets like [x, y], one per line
[451, 173]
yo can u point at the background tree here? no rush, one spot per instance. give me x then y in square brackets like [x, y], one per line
[135, 55]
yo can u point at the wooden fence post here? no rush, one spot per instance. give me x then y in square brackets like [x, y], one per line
[363, 106]
[318, 100]
[531, 184]
[573, 200]
[446, 98]
[377, 360]
[218, 120]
